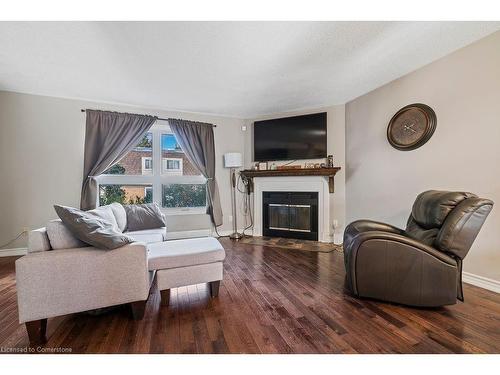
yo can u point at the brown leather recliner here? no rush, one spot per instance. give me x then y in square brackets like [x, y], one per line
[419, 266]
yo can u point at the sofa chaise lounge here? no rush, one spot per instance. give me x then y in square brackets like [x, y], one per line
[60, 275]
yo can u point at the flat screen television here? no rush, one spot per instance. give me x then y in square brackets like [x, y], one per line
[290, 138]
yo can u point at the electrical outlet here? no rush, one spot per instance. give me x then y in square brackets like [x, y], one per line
[335, 224]
[244, 128]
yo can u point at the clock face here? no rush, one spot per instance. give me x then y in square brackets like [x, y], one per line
[411, 127]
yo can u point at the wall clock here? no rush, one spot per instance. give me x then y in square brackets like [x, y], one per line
[411, 127]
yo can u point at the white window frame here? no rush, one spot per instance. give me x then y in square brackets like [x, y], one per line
[157, 178]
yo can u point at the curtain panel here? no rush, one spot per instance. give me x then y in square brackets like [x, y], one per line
[197, 141]
[109, 136]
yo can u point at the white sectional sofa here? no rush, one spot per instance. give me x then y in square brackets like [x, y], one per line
[61, 275]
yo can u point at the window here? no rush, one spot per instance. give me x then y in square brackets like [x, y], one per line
[125, 194]
[184, 195]
[156, 170]
[147, 165]
[172, 166]
[134, 163]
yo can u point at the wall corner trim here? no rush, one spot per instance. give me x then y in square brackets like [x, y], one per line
[481, 281]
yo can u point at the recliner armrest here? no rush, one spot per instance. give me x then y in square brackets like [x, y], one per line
[362, 226]
[378, 235]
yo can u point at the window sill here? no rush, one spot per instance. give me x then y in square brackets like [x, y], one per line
[175, 212]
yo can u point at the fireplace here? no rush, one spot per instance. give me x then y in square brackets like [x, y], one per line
[290, 214]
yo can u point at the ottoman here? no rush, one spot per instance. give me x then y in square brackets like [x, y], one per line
[186, 262]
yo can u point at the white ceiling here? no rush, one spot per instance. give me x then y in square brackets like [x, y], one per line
[239, 69]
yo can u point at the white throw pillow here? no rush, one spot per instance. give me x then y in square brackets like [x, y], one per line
[105, 213]
[120, 215]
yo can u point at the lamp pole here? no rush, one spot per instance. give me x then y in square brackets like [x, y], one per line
[235, 235]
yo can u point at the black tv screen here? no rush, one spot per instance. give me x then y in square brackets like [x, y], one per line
[290, 138]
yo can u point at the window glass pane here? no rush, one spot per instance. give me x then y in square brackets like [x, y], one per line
[184, 195]
[174, 161]
[139, 161]
[125, 194]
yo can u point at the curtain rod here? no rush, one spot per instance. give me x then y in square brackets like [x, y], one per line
[162, 119]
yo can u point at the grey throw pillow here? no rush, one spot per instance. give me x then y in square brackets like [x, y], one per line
[144, 216]
[91, 229]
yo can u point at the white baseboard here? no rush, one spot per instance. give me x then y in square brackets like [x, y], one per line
[18, 251]
[228, 232]
[481, 281]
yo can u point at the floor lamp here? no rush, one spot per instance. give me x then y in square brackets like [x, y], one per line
[233, 160]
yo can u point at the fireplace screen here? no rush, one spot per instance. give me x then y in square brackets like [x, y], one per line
[290, 214]
[290, 217]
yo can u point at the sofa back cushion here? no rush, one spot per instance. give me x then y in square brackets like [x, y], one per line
[38, 240]
[92, 229]
[144, 216]
[60, 236]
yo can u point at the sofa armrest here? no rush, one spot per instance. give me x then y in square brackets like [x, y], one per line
[59, 282]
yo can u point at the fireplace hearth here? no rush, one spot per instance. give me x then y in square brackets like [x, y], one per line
[290, 214]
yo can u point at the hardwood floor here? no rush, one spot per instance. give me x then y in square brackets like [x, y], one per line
[271, 300]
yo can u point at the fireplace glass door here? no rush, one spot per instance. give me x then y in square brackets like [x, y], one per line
[289, 214]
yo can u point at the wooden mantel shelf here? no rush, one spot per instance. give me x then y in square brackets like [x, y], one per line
[249, 174]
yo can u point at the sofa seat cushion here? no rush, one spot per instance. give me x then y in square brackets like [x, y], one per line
[148, 235]
[183, 253]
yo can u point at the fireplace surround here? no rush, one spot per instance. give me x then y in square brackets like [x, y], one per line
[317, 184]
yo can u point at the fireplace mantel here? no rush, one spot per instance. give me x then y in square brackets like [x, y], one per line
[249, 174]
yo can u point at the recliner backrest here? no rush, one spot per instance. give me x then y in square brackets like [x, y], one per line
[449, 221]
[462, 225]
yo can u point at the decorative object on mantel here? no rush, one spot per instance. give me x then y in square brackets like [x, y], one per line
[411, 127]
[262, 166]
[249, 174]
[329, 162]
[287, 167]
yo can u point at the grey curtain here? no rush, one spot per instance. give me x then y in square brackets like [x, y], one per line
[197, 141]
[108, 137]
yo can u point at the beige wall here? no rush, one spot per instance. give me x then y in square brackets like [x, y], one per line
[41, 159]
[335, 147]
[464, 153]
